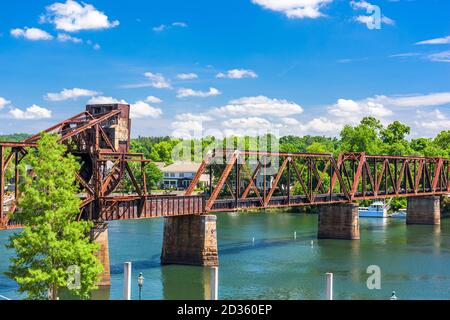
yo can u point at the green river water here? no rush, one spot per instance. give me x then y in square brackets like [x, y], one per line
[414, 260]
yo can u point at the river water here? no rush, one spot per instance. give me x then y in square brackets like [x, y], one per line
[414, 260]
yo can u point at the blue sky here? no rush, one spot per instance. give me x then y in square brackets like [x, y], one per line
[227, 67]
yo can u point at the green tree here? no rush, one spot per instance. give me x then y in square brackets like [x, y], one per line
[153, 176]
[442, 141]
[317, 147]
[395, 132]
[362, 138]
[394, 139]
[52, 240]
[163, 151]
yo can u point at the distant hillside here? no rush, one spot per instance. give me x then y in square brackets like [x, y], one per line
[14, 137]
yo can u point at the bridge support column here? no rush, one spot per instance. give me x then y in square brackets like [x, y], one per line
[338, 221]
[99, 234]
[190, 240]
[424, 210]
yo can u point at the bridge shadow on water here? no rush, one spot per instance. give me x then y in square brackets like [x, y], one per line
[153, 263]
[233, 248]
[242, 246]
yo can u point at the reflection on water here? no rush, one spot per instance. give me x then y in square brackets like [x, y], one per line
[414, 260]
[103, 293]
[186, 283]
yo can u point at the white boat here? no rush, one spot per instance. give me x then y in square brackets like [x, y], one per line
[400, 214]
[377, 209]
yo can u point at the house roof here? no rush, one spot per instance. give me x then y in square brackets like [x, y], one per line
[182, 167]
[160, 165]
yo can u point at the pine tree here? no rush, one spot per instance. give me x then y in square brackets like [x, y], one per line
[52, 240]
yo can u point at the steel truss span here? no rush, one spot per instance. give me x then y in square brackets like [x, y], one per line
[255, 180]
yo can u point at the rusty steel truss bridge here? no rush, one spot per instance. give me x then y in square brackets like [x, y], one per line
[238, 179]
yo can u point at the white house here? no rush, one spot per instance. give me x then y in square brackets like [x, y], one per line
[180, 174]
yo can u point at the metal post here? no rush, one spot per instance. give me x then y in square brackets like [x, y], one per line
[331, 183]
[127, 281]
[289, 181]
[375, 176]
[329, 282]
[144, 178]
[16, 176]
[214, 283]
[236, 192]
[265, 184]
[211, 173]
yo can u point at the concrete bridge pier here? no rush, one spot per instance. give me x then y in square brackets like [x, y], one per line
[190, 240]
[99, 234]
[424, 210]
[338, 221]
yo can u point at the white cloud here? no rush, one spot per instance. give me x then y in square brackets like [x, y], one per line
[237, 74]
[251, 123]
[357, 5]
[352, 111]
[94, 46]
[185, 92]
[258, 106]
[72, 17]
[404, 55]
[321, 125]
[187, 76]
[260, 115]
[347, 111]
[105, 100]
[153, 99]
[370, 8]
[193, 117]
[295, 8]
[3, 102]
[290, 121]
[434, 121]
[163, 27]
[62, 37]
[157, 80]
[371, 20]
[160, 28]
[32, 113]
[440, 56]
[184, 127]
[33, 34]
[70, 94]
[443, 40]
[424, 100]
[180, 24]
[141, 109]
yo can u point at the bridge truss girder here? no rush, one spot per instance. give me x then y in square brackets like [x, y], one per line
[319, 178]
[85, 136]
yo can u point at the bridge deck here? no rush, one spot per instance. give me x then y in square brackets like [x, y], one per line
[134, 207]
[117, 208]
